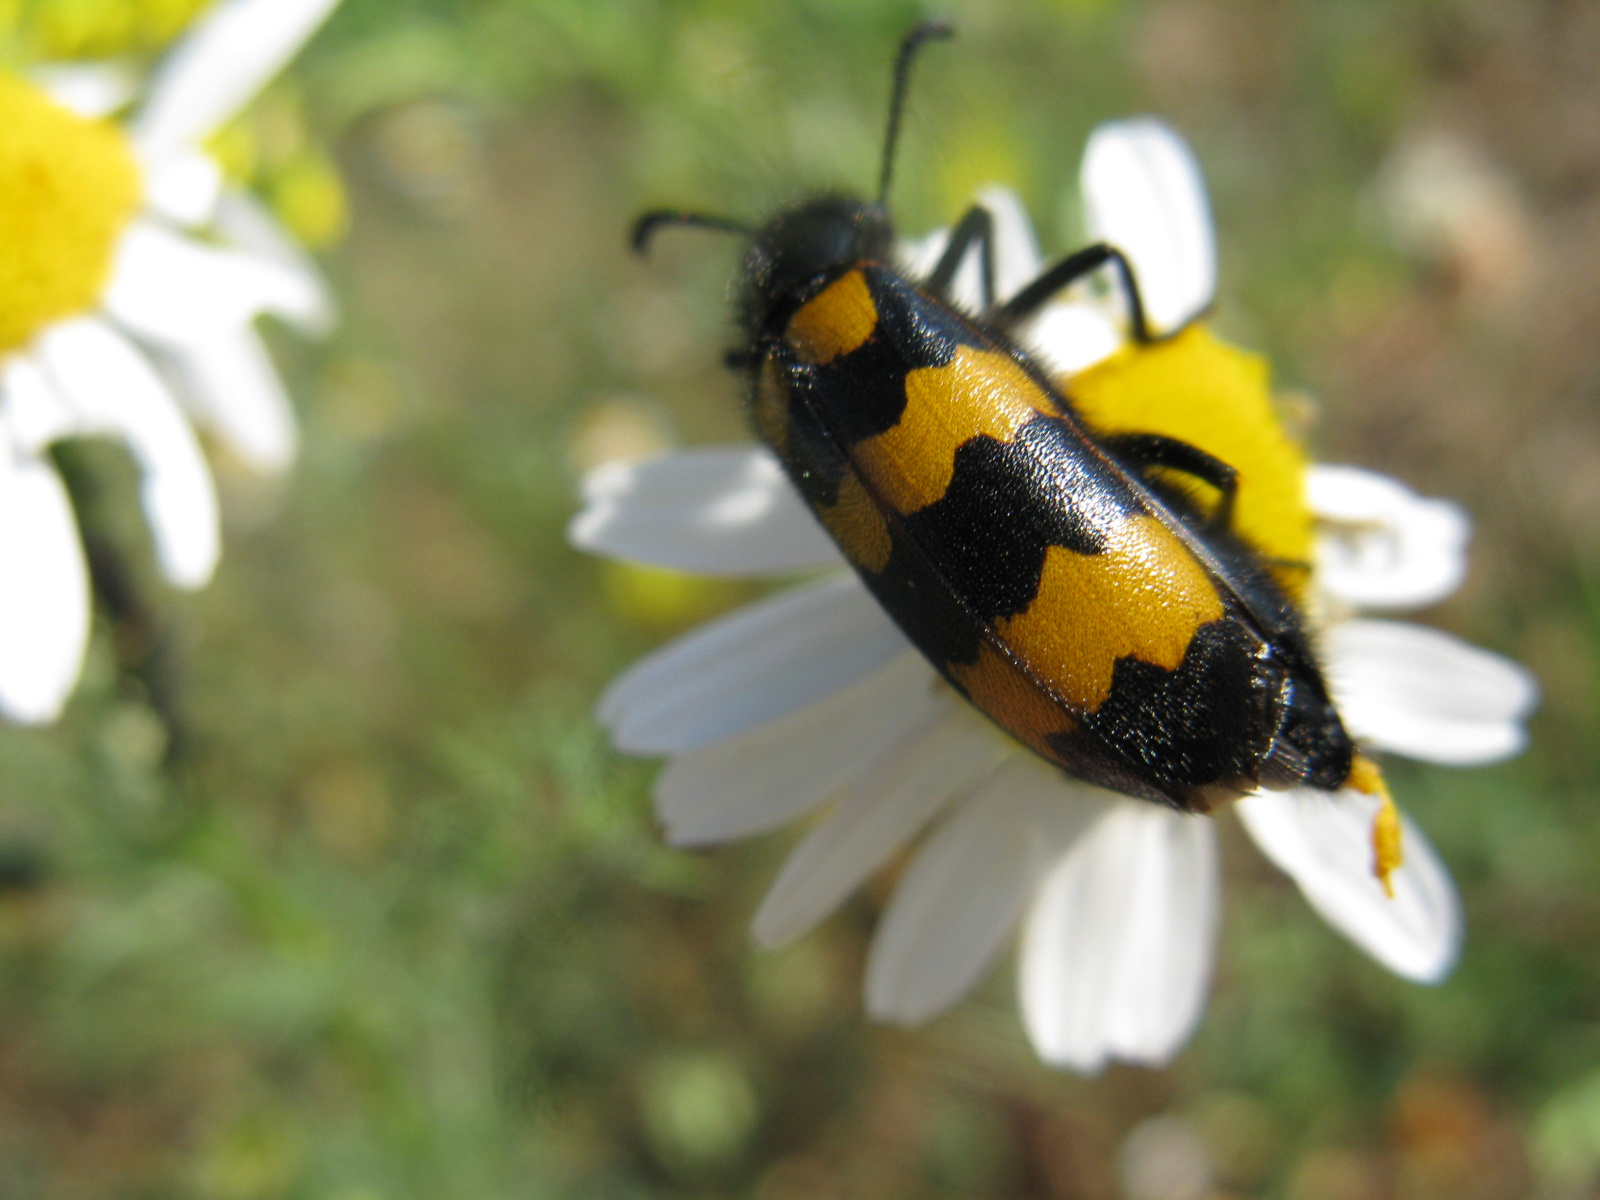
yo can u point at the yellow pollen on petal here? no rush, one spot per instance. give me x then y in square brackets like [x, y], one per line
[1199, 389]
[1388, 855]
[68, 187]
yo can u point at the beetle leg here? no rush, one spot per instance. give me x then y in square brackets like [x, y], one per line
[1157, 450]
[976, 226]
[1067, 272]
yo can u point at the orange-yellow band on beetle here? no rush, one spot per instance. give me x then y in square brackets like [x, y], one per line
[1388, 854]
[835, 321]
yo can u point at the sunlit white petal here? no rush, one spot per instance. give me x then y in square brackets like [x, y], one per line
[751, 667]
[34, 411]
[1070, 338]
[727, 510]
[91, 90]
[175, 290]
[917, 256]
[44, 607]
[873, 815]
[776, 772]
[231, 383]
[225, 59]
[113, 390]
[1016, 251]
[1323, 841]
[249, 225]
[1380, 545]
[183, 186]
[960, 897]
[190, 304]
[1116, 950]
[1144, 194]
[196, 303]
[1423, 693]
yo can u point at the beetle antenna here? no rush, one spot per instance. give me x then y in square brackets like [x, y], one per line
[645, 227]
[927, 31]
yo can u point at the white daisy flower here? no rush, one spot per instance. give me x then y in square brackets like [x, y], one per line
[813, 702]
[130, 280]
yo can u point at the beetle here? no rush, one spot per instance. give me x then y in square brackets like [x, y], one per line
[1057, 576]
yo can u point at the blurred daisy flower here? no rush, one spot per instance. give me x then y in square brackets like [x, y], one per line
[813, 703]
[131, 276]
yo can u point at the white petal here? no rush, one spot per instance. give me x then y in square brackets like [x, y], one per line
[44, 605]
[1072, 337]
[1423, 693]
[196, 303]
[751, 667]
[36, 414]
[1015, 251]
[1144, 194]
[183, 186]
[918, 256]
[785, 768]
[961, 896]
[1116, 952]
[177, 291]
[1323, 841]
[966, 287]
[1381, 545]
[921, 256]
[247, 224]
[112, 389]
[225, 59]
[873, 815]
[724, 510]
[232, 383]
[91, 90]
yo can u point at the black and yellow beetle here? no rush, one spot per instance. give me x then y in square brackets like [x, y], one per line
[1055, 575]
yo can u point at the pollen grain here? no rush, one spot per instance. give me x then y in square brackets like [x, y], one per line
[1388, 851]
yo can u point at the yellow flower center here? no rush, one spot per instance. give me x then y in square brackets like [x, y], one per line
[1201, 390]
[68, 187]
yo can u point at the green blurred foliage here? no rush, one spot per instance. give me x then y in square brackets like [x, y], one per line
[327, 886]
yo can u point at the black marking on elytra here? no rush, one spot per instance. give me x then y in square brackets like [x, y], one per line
[1085, 757]
[1207, 723]
[860, 394]
[812, 455]
[927, 610]
[1259, 593]
[1008, 503]
[1310, 739]
[923, 331]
